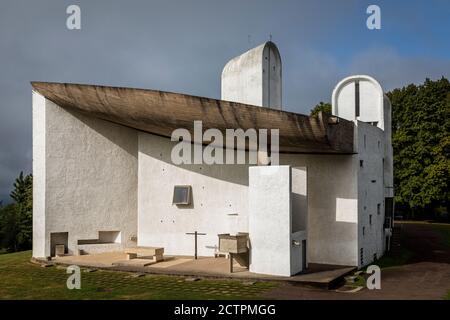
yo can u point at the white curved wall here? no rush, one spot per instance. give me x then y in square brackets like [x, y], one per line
[375, 155]
[254, 77]
[85, 177]
[371, 100]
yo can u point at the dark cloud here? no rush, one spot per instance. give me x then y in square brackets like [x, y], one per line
[182, 46]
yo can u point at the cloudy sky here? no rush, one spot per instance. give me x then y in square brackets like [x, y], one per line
[182, 46]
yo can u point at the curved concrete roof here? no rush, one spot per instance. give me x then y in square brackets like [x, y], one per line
[160, 113]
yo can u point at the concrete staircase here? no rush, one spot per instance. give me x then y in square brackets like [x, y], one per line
[396, 240]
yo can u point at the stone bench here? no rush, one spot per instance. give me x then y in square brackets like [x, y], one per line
[155, 253]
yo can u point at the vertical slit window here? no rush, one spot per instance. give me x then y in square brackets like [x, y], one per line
[357, 100]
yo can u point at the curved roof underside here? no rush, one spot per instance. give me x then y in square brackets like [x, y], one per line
[160, 113]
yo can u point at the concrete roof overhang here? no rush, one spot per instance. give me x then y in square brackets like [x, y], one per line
[160, 113]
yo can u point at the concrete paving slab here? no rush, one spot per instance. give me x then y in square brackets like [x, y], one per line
[323, 276]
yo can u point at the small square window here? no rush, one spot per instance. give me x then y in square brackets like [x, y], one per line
[182, 195]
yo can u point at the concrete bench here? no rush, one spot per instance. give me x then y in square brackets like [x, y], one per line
[155, 253]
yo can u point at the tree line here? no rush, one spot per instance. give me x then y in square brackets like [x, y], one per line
[16, 222]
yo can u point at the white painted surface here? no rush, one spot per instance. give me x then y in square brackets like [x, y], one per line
[329, 177]
[216, 187]
[270, 220]
[370, 192]
[299, 199]
[374, 147]
[86, 177]
[255, 77]
[219, 194]
[39, 174]
[299, 230]
[371, 99]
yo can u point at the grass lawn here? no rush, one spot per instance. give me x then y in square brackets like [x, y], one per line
[447, 296]
[21, 279]
[405, 255]
[388, 261]
[444, 230]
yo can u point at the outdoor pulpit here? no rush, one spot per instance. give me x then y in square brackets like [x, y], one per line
[236, 246]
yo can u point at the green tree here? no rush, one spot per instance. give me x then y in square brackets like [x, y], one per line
[421, 142]
[16, 218]
[324, 107]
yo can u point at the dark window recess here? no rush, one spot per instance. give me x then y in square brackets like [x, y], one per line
[375, 258]
[361, 163]
[373, 181]
[370, 219]
[378, 208]
[357, 99]
[388, 212]
[361, 256]
[182, 195]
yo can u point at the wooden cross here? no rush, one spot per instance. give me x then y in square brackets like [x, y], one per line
[195, 234]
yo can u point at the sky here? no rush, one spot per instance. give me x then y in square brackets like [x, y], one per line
[182, 46]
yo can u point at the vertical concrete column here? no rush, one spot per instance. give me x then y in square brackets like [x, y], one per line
[270, 219]
[39, 176]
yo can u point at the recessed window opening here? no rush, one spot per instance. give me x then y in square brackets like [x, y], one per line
[182, 195]
[357, 100]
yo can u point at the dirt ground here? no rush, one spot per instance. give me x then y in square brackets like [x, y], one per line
[426, 275]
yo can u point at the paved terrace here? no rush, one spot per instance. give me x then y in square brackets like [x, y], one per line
[323, 276]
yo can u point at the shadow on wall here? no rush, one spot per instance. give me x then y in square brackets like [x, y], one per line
[160, 148]
[103, 127]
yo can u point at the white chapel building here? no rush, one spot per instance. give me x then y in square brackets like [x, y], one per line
[104, 179]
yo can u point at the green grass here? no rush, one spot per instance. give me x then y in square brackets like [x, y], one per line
[444, 231]
[21, 279]
[359, 282]
[388, 261]
[447, 296]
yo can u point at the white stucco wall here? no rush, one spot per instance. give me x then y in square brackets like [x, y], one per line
[370, 192]
[85, 173]
[255, 77]
[270, 220]
[374, 147]
[39, 175]
[221, 191]
[332, 206]
[371, 100]
[219, 194]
